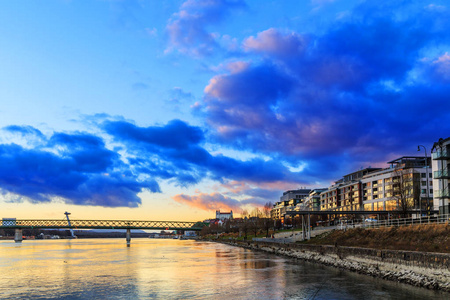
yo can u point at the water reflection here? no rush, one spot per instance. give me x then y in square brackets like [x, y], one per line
[173, 269]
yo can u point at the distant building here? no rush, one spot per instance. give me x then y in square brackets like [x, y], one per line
[312, 202]
[441, 175]
[224, 215]
[287, 202]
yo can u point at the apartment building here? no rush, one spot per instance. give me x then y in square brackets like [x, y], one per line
[346, 193]
[407, 182]
[441, 183]
[288, 201]
[312, 202]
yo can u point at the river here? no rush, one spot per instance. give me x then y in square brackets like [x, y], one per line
[176, 269]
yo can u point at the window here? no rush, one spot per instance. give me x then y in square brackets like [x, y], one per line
[391, 205]
[367, 206]
[424, 175]
[424, 183]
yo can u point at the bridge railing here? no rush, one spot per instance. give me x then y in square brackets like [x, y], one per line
[102, 224]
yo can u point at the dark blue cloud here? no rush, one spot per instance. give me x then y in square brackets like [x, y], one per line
[175, 151]
[175, 135]
[24, 130]
[76, 168]
[371, 86]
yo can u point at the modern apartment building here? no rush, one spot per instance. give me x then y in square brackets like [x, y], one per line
[441, 166]
[288, 201]
[346, 193]
[406, 185]
[312, 202]
[407, 182]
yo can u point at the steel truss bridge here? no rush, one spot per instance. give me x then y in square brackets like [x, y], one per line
[101, 224]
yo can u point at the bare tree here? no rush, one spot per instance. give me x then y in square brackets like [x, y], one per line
[405, 190]
[255, 219]
[267, 209]
[267, 221]
[244, 226]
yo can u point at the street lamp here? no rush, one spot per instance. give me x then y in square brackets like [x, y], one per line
[428, 190]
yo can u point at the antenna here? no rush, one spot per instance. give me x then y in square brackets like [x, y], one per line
[68, 221]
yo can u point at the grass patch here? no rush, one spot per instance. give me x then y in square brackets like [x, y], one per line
[426, 238]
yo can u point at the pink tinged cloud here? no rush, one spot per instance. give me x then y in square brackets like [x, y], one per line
[208, 202]
[442, 67]
[274, 42]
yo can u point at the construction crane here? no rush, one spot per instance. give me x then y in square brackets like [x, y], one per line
[68, 221]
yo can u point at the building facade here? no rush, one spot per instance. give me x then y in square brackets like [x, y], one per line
[224, 215]
[406, 185]
[346, 193]
[441, 165]
[287, 202]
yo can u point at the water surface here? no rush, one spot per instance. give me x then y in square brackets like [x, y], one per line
[174, 269]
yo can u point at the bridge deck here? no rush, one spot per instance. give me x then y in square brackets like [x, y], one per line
[101, 224]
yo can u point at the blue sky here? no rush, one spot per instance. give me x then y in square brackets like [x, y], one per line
[173, 109]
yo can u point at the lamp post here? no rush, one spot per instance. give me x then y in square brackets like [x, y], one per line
[426, 169]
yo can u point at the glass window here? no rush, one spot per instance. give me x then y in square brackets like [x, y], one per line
[391, 205]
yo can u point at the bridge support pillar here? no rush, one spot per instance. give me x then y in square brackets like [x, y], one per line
[128, 237]
[18, 235]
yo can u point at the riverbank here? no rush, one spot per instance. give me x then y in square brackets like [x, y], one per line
[423, 238]
[421, 269]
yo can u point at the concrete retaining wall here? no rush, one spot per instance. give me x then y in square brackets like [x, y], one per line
[430, 270]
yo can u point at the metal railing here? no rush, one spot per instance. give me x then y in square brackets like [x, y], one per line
[441, 154]
[101, 224]
[428, 220]
[445, 193]
[441, 174]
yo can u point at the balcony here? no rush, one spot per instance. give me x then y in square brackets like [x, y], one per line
[441, 155]
[441, 174]
[445, 193]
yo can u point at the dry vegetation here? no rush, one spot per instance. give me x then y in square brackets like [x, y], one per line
[427, 238]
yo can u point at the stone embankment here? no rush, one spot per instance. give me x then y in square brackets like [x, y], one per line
[422, 269]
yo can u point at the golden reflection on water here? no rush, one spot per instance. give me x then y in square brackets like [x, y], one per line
[169, 269]
[149, 268]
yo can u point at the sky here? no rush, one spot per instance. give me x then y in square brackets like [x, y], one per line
[171, 110]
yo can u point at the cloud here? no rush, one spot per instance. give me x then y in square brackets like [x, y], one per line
[175, 151]
[208, 202]
[249, 196]
[24, 130]
[359, 92]
[273, 42]
[177, 95]
[75, 168]
[187, 29]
